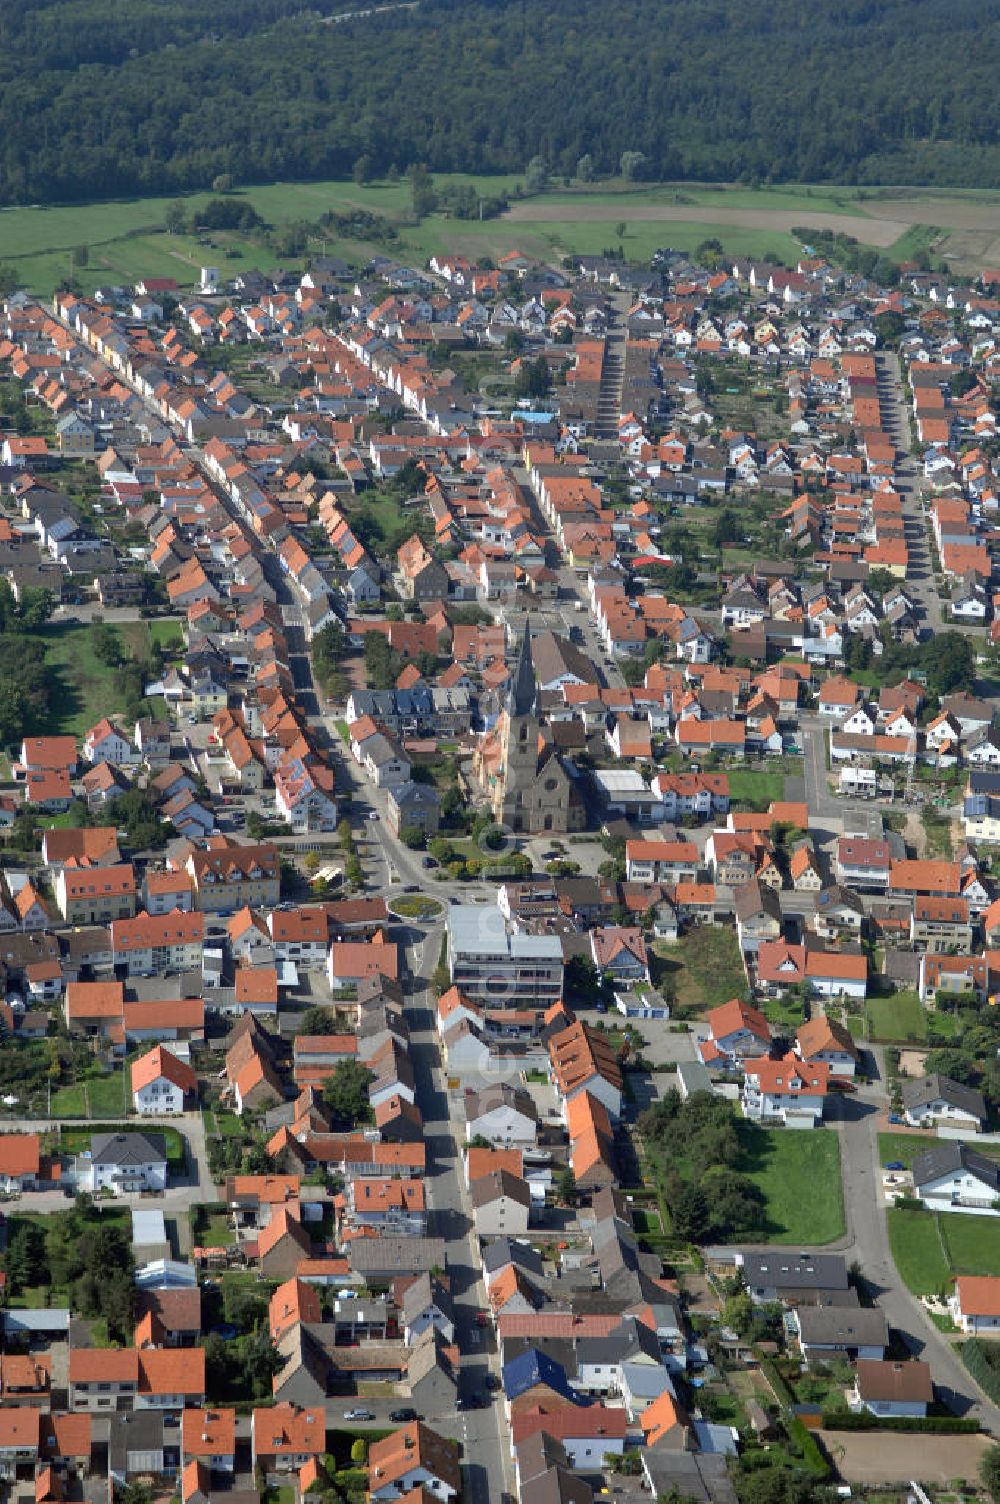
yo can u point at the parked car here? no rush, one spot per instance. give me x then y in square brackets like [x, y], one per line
[359, 1415]
[429, 861]
[400, 1417]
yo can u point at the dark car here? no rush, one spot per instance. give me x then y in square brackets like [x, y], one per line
[411, 888]
[400, 1417]
[429, 861]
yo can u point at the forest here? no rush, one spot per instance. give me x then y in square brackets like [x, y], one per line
[100, 99]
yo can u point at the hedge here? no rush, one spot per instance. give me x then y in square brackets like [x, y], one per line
[863, 1420]
[813, 1459]
[985, 1373]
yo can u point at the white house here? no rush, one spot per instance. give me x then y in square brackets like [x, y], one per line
[930, 1100]
[975, 1303]
[160, 1082]
[953, 1177]
[824, 1041]
[787, 1091]
[124, 1162]
[504, 1115]
[736, 1031]
[105, 743]
[892, 1388]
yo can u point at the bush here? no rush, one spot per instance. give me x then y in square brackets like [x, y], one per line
[850, 1420]
[813, 1459]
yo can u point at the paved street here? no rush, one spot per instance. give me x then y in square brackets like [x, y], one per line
[868, 1242]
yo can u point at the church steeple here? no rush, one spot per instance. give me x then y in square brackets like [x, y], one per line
[523, 688]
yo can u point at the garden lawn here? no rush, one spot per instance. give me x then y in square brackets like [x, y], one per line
[108, 1096]
[799, 1175]
[755, 787]
[70, 1102]
[703, 969]
[84, 687]
[901, 1017]
[931, 1248]
[906, 1146]
[214, 1231]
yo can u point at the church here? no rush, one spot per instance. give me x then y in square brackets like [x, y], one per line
[530, 787]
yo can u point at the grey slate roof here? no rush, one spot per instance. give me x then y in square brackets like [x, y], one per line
[842, 1326]
[504, 1251]
[937, 1088]
[783, 1269]
[953, 1159]
[127, 1149]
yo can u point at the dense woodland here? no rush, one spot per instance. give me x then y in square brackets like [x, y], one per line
[98, 98]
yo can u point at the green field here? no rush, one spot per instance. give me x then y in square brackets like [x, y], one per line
[126, 240]
[83, 687]
[701, 970]
[755, 787]
[108, 1096]
[900, 1017]
[799, 1175]
[906, 1146]
[931, 1248]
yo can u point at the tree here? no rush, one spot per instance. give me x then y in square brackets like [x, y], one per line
[889, 326]
[223, 183]
[359, 1451]
[346, 1092]
[24, 1261]
[8, 279]
[174, 217]
[532, 379]
[738, 1313]
[690, 1213]
[244, 1306]
[361, 172]
[632, 163]
[79, 256]
[422, 193]
[710, 253]
[317, 1020]
[726, 529]
[261, 1360]
[106, 644]
[536, 175]
[585, 169]
[989, 1472]
[566, 1187]
[116, 1299]
[311, 861]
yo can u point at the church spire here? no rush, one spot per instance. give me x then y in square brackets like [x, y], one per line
[523, 688]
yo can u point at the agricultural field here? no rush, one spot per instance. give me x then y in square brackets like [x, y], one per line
[125, 239]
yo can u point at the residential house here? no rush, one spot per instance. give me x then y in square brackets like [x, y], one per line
[892, 1388]
[160, 1083]
[952, 1177]
[930, 1101]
